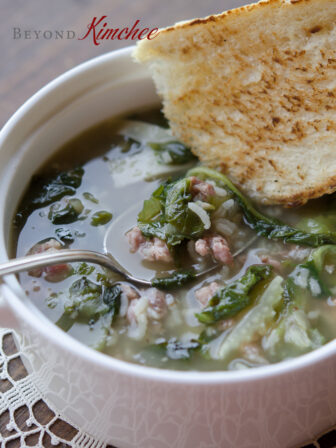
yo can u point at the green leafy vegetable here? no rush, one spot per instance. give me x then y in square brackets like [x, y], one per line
[179, 350]
[65, 212]
[46, 191]
[84, 288]
[72, 178]
[85, 269]
[55, 189]
[90, 197]
[88, 301]
[151, 209]
[264, 226]
[65, 235]
[231, 299]
[318, 224]
[112, 298]
[84, 303]
[101, 218]
[177, 197]
[254, 322]
[173, 153]
[128, 144]
[312, 277]
[176, 280]
[324, 259]
[51, 193]
[292, 336]
[208, 334]
[65, 322]
[177, 212]
[167, 216]
[305, 278]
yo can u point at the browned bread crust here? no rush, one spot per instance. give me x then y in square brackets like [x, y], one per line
[253, 92]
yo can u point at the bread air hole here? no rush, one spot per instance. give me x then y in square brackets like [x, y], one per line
[315, 29]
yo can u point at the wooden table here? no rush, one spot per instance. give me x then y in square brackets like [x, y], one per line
[28, 64]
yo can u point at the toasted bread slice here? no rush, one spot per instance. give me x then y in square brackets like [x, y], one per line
[253, 92]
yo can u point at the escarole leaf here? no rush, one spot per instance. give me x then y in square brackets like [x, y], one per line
[231, 299]
[46, 191]
[305, 279]
[159, 155]
[112, 298]
[178, 213]
[151, 209]
[293, 335]
[314, 277]
[177, 198]
[318, 224]
[264, 225]
[255, 321]
[169, 151]
[101, 218]
[173, 153]
[167, 216]
[143, 132]
[66, 211]
[88, 301]
[324, 259]
[172, 349]
[52, 190]
[176, 280]
[177, 350]
[84, 302]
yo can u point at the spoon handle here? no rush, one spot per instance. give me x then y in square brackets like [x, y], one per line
[65, 256]
[30, 262]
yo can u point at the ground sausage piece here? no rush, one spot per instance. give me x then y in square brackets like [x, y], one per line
[201, 190]
[57, 273]
[45, 246]
[204, 294]
[157, 305]
[155, 250]
[202, 247]
[131, 314]
[135, 239]
[54, 273]
[155, 308]
[129, 292]
[215, 245]
[267, 259]
[221, 250]
[152, 249]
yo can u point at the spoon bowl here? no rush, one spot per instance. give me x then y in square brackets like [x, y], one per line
[30, 262]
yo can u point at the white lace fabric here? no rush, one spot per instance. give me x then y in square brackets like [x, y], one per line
[26, 420]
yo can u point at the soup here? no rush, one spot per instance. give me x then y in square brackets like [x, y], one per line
[271, 294]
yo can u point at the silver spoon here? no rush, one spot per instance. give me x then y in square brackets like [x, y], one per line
[30, 262]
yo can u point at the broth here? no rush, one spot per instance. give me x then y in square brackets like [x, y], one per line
[98, 179]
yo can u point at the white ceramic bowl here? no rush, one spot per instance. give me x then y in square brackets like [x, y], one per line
[124, 404]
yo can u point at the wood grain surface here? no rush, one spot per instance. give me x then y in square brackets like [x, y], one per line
[28, 64]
